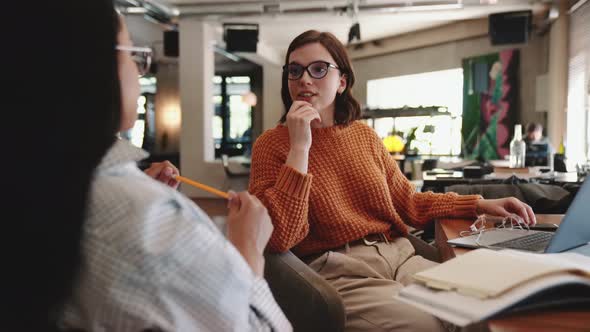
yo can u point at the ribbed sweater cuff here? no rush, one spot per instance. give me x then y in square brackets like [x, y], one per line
[294, 183]
[466, 206]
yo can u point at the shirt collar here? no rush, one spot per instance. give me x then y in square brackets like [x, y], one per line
[122, 152]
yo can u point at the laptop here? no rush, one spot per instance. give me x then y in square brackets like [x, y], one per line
[573, 234]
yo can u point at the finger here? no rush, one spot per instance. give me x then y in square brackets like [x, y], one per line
[245, 198]
[174, 169]
[256, 202]
[309, 118]
[298, 104]
[296, 109]
[310, 111]
[153, 170]
[310, 115]
[166, 173]
[173, 183]
[233, 201]
[531, 213]
[162, 177]
[302, 110]
[520, 210]
[254, 199]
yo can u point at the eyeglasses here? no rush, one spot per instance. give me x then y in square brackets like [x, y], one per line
[141, 55]
[316, 69]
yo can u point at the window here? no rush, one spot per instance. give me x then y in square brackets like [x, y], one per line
[142, 134]
[578, 97]
[436, 135]
[232, 119]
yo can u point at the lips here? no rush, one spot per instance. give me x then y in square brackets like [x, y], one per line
[305, 96]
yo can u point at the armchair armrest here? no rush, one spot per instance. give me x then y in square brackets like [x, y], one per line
[309, 302]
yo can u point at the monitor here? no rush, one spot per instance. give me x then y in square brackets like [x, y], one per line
[537, 154]
[510, 27]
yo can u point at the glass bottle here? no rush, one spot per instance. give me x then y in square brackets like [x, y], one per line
[517, 148]
[561, 149]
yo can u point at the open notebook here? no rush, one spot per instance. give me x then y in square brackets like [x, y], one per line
[485, 283]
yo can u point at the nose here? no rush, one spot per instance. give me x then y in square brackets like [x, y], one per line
[305, 79]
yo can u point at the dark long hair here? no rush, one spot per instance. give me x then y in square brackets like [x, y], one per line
[60, 116]
[347, 108]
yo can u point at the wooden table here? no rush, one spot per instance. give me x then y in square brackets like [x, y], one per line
[549, 321]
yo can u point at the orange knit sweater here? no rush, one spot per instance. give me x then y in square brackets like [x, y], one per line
[357, 189]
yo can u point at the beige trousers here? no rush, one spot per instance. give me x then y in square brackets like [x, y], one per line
[368, 276]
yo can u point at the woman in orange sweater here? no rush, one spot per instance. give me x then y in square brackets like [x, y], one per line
[339, 201]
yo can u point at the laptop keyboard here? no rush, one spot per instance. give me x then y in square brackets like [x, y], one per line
[534, 242]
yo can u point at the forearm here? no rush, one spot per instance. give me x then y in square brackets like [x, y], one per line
[254, 258]
[282, 184]
[290, 220]
[421, 208]
[298, 159]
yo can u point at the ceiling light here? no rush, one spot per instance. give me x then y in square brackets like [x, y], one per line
[428, 8]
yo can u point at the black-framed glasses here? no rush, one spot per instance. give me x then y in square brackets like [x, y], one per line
[142, 56]
[316, 69]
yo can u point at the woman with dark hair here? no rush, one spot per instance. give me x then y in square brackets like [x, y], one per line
[102, 246]
[339, 201]
[63, 96]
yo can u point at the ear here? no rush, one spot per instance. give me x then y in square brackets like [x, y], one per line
[342, 85]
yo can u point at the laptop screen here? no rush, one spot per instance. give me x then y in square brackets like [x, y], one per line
[574, 229]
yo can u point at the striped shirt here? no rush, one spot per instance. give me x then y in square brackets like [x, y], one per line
[154, 261]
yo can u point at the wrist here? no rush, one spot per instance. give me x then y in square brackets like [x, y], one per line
[299, 150]
[256, 263]
[253, 257]
[298, 159]
[478, 207]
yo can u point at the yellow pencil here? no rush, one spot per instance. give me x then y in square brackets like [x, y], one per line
[202, 186]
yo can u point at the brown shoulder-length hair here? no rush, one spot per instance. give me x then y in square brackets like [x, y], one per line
[347, 108]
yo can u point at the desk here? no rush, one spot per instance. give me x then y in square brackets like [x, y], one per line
[549, 321]
[242, 160]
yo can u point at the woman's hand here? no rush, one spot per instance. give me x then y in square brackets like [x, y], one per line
[249, 228]
[164, 172]
[504, 207]
[299, 119]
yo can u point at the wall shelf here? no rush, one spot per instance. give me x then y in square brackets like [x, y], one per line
[376, 113]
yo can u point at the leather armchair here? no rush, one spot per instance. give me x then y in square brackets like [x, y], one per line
[308, 300]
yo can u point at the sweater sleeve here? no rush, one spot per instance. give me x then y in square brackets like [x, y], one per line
[417, 208]
[283, 190]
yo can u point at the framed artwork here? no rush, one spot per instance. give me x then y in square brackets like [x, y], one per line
[490, 104]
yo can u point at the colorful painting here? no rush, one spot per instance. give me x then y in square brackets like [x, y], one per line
[490, 104]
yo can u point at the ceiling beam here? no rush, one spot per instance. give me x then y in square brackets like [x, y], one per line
[422, 38]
